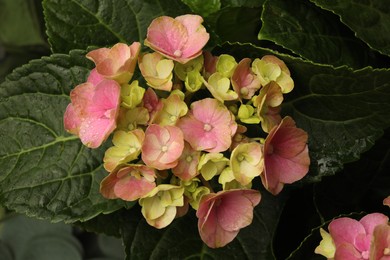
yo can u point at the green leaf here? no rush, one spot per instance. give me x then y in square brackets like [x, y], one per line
[13, 60]
[360, 186]
[77, 24]
[368, 19]
[47, 172]
[5, 251]
[180, 240]
[343, 110]
[20, 24]
[242, 3]
[235, 24]
[203, 7]
[312, 33]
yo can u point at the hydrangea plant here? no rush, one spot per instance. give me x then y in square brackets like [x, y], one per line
[195, 129]
[158, 163]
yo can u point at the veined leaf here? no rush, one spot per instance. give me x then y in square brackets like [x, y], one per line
[312, 33]
[46, 172]
[343, 110]
[203, 7]
[368, 19]
[77, 24]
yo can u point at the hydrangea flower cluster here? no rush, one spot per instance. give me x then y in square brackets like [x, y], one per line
[180, 139]
[349, 239]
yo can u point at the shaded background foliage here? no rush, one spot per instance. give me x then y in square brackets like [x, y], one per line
[342, 99]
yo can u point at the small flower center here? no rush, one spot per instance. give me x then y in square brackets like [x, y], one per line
[132, 150]
[173, 118]
[164, 148]
[136, 174]
[240, 157]
[244, 91]
[386, 251]
[189, 158]
[365, 254]
[109, 113]
[178, 53]
[207, 127]
[131, 126]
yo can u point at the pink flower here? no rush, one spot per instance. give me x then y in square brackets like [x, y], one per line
[352, 238]
[129, 183]
[162, 146]
[180, 39]
[152, 103]
[286, 156]
[208, 126]
[117, 63]
[93, 111]
[186, 169]
[222, 215]
[380, 245]
[245, 82]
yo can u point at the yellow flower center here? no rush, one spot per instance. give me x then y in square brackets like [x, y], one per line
[207, 127]
[178, 53]
[164, 148]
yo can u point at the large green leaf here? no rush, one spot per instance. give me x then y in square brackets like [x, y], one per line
[312, 33]
[77, 24]
[180, 240]
[343, 110]
[235, 24]
[45, 171]
[368, 19]
[203, 7]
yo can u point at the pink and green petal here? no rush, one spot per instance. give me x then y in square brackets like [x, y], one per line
[208, 126]
[117, 63]
[246, 162]
[129, 183]
[186, 169]
[245, 82]
[162, 147]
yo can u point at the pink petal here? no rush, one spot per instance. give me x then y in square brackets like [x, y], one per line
[94, 77]
[98, 55]
[166, 35]
[106, 97]
[122, 184]
[370, 221]
[381, 241]
[286, 157]
[71, 120]
[210, 232]
[180, 39]
[347, 251]
[236, 209]
[94, 131]
[197, 35]
[222, 215]
[345, 230]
